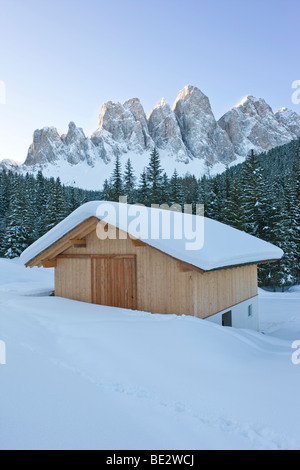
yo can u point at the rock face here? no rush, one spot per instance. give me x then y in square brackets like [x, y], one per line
[289, 119]
[165, 132]
[49, 147]
[46, 147]
[124, 128]
[253, 125]
[80, 148]
[137, 110]
[9, 165]
[187, 132]
[201, 134]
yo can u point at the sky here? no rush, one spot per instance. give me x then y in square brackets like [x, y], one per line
[60, 60]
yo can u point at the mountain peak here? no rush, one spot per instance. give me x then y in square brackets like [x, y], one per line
[253, 105]
[187, 133]
[9, 165]
[161, 103]
[290, 119]
[201, 134]
[124, 127]
[166, 133]
[283, 110]
[247, 98]
[252, 125]
[189, 89]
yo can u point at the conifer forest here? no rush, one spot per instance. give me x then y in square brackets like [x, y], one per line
[260, 196]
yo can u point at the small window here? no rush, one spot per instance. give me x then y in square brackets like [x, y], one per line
[250, 310]
[227, 319]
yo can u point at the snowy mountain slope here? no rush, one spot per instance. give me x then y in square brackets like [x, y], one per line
[82, 376]
[191, 131]
[165, 132]
[289, 119]
[187, 136]
[8, 164]
[123, 128]
[48, 147]
[253, 125]
[93, 177]
[201, 134]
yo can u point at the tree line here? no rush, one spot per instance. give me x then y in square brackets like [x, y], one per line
[260, 196]
[30, 206]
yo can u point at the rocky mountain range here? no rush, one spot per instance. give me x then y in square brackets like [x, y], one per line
[253, 125]
[187, 133]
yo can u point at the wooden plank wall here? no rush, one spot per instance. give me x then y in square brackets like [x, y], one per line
[119, 271]
[73, 279]
[161, 286]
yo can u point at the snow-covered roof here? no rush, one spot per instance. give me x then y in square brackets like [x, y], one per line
[196, 240]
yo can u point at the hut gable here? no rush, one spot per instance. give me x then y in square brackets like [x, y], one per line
[222, 246]
[157, 275]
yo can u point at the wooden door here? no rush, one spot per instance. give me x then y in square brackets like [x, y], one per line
[114, 281]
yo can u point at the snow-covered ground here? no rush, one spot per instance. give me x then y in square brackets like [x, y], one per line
[92, 178]
[81, 376]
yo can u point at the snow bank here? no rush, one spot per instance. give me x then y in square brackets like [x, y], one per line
[15, 279]
[280, 313]
[82, 376]
[214, 244]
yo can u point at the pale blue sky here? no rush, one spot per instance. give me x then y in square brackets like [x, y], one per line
[61, 59]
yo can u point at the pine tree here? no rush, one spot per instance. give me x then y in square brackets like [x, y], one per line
[290, 220]
[129, 182]
[155, 178]
[72, 201]
[296, 221]
[191, 191]
[4, 192]
[143, 190]
[176, 192]
[255, 197]
[31, 209]
[234, 213]
[273, 274]
[165, 190]
[41, 199]
[4, 204]
[106, 192]
[56, 204]
[15, 240]
[116, 183]
[208, 197]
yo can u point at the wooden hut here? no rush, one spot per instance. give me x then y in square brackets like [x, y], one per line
[103, 254]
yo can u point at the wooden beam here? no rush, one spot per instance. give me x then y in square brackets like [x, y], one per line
[76, 243]
[252, 263]
[49, 263]
[80, 256]
[75, 256]
[230, 306]
[269, 261]
[64, 243]
[186, 267]
[138, 243]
